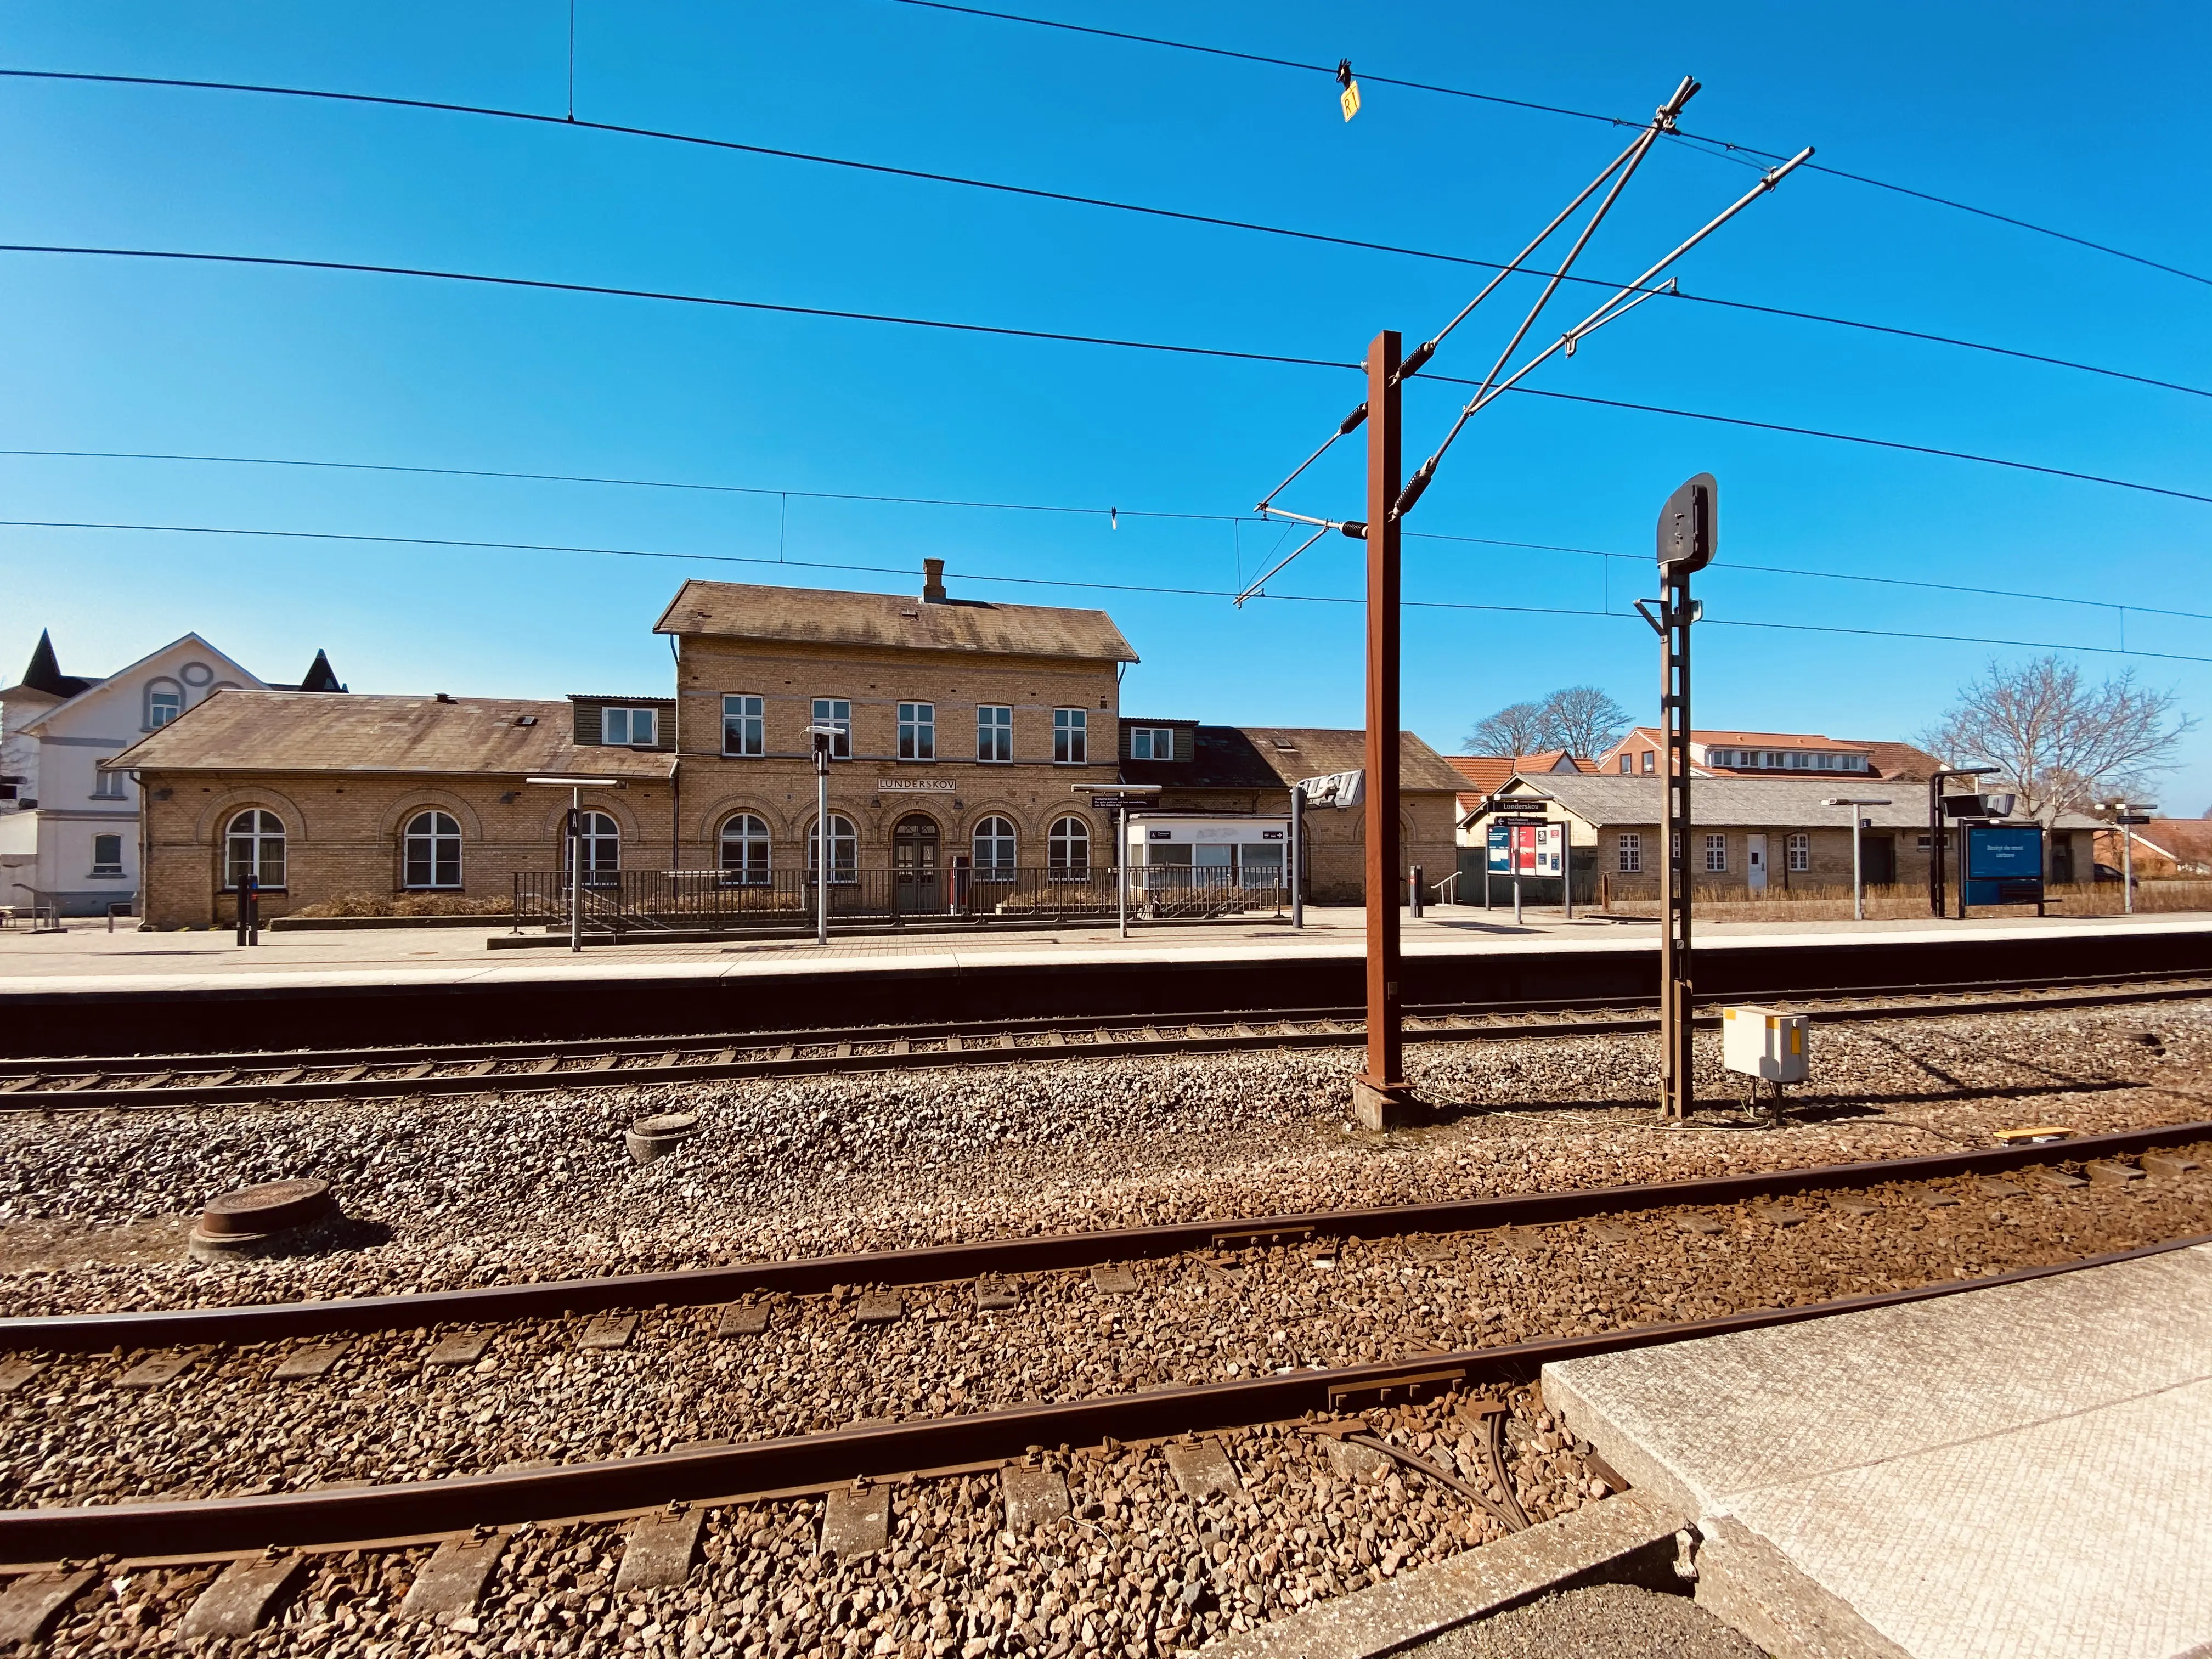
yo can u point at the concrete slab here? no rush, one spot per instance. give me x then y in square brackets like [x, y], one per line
[452, 1580]
[2019, 1470]
[658, 1550]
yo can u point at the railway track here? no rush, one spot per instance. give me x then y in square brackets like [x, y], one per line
[747, 1468]
[160, 1082]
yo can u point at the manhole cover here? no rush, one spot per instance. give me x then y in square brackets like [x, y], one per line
[273, 1206]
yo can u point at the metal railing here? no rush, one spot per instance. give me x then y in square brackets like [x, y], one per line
[664, 901]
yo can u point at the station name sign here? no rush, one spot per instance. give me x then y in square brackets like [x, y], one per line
[914, 786]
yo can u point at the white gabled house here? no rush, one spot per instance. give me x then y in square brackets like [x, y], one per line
[68, 829]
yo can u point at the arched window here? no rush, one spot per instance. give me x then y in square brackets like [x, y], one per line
[744, 851]
[844, 850]
[995, 849]
[1067, 851]
[600, 840]
[432, 849]
[253, 845]
[165, 701]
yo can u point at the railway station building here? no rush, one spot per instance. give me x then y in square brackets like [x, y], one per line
[968, 734]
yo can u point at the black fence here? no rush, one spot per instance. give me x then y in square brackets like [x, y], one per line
[663, 901]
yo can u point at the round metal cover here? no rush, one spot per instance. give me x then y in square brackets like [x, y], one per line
[666, 1124]
[270, 1207]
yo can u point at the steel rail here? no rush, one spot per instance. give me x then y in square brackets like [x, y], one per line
[138, 1083]
[719, 1473]
[999, 1258]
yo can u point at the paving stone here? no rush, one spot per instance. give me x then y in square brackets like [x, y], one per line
[1115, 1279]
[1033, 1498]
[879, 1307]
[155, 1370]
[1203, 1469]
[244, 1597]
[452, 1580]
[13, 1373]
[35, 1602]
[457, 1348]
[856, 1523]
[743, 1319]
[658, 1550]
[608, 1332]
[304, 1363]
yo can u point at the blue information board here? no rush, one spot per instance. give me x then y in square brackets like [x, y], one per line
[1498, 839]
[2004, 864]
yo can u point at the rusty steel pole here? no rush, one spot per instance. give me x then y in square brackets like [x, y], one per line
[1380, 1094]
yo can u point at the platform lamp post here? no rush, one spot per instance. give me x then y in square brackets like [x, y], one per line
[825, 740]
[1858, 883]
[2125, 815]
[1936, 899]
[575, 787]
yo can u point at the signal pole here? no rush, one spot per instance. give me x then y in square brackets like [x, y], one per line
[1380, 1095]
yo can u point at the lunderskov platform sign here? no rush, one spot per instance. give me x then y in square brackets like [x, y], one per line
[1525, 849]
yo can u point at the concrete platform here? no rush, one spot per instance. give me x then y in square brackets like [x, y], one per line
[75, 993]
[2021, 1471]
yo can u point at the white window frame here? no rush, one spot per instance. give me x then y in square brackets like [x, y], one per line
[107, 866]
[1145, 743]
[747, 833]
[1798, 852]
[631, 714]
[599, 832]
[106, 785]
[747, 716]
[837, 712]
[917, 731]
[1071, 737]
[994, 733]
[260, 832]
[1716, 855]
[991, 866]
[440, 828]
[844, 850]
[1628, 763]
[1067, 849]
[1629, 854]
[163, 694]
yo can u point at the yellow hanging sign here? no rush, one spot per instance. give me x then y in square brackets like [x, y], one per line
[1350, 98]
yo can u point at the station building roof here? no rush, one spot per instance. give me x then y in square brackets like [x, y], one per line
[805, 616]
[1601, 799]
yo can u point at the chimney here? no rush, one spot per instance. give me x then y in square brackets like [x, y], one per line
[932, 581]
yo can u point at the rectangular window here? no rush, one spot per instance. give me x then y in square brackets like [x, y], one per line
[1801, 852]
[1631, 854]
[628, 727]
[1152, 742]
[917, 731]
[107, 785]
[1650, 760]
[1628, 763]
[1716, 854]
[107, 855]
[837, 712]
[745, 726]
[995, 732]
[1069, 737]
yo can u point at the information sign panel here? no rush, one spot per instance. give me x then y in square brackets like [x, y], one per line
[2004, 864]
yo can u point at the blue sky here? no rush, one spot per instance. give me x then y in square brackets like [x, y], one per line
[2031, 111]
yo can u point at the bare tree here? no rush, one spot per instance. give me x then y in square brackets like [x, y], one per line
[2062, 743]
[1583, 720]
[1520, 728]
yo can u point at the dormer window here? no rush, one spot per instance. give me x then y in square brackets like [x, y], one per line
[1152, 742]
[633, 727]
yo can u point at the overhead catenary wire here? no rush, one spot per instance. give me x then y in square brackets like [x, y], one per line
[1721, 145]
[1164, 348]
[483, 545]
[1164, 515]
[1107, 203]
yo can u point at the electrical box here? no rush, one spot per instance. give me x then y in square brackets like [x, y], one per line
[1763, 1042]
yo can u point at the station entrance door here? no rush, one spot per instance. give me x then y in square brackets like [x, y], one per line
[914, 865]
